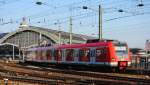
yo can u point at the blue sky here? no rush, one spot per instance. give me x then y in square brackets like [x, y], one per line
[131, 26]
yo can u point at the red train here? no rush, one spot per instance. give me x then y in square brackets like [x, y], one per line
[110, 53]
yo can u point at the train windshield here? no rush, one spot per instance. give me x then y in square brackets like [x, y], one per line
[121, 51]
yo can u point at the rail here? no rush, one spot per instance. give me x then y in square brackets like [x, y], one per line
[57, 74]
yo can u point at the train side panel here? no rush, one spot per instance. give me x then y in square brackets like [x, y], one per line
[98, 54]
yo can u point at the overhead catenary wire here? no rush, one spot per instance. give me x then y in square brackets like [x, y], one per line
[6, 2]
[37, 14]
[34, 18]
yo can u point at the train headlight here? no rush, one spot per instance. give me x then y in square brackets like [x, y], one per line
[113, 59]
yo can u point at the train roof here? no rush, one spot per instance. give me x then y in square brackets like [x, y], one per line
[105, 40]
[69, 46]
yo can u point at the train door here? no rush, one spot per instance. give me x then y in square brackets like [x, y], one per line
[43, 57]
[76, 55]
[52, 55]
[84, 55]
[39, 54]
[63, 54]
[101, 55]
[49, 55]
[92, 55]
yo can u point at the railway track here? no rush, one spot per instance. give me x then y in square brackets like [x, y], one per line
[114, 76]
[82, 76]
[138, 71]
[28, 79]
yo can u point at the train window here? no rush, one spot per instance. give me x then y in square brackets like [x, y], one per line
[101, 51]
[84, 52]
[76, 53]
[69, 52]
[98, 52]
[121, 51]
[36, 53]
[81, 52]
[84, 55]
[30, 55]
[48, 53]
[39, 53]
[57, 53]
[44, 53]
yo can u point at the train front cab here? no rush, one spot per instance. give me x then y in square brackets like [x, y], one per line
[120, 56]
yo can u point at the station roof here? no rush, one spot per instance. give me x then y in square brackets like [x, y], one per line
[64, 34]
[49, 33]
[2, 35]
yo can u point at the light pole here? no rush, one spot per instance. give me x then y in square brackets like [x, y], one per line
[13, 53]
[59, 31]
[70, 30]
[100, 30]
[100, 23]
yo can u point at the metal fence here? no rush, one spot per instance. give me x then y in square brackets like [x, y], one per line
[142, 63]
